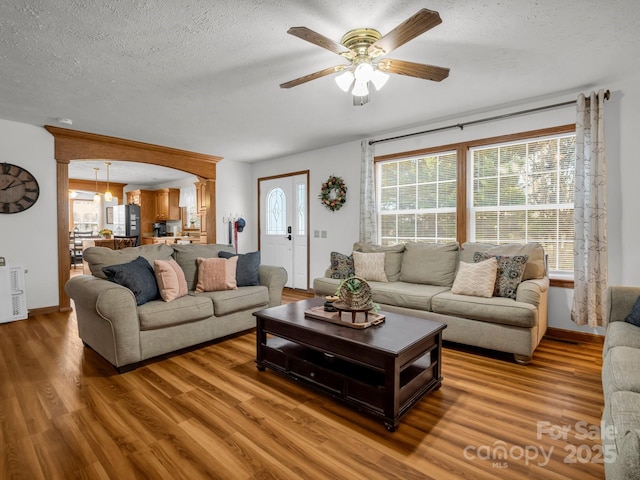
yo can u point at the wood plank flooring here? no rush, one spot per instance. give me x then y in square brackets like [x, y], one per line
[208, 413]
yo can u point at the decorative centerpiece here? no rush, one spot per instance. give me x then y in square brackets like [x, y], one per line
[355, 292]
[105, 233]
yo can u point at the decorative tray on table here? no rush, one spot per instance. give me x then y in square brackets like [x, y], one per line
[353, 318]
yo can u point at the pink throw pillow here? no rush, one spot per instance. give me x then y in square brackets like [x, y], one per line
[171, 280]
[216, 274]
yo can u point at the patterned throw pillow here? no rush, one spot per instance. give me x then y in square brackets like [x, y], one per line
[370, 266]
[476, 279]
[510, 270]
[341, 265]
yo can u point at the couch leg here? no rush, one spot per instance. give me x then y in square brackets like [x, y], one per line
[127, 368]
[522, 359]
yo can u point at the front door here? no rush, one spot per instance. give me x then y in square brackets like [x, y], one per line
[284, 225]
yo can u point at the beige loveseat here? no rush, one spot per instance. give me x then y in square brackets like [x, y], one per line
[621, 387]
[110, 322]
[419, 280]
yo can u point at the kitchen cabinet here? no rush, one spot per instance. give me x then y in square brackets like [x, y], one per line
[167, 200]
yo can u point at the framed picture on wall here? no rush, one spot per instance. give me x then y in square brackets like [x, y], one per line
[109, 217]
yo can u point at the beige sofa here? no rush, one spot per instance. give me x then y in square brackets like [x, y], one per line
[420, 277]
[110, 322]
[621, 387]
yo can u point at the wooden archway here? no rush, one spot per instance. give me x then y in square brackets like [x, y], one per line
[72, 145]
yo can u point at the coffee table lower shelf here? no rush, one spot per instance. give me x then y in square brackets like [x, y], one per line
[373, 390]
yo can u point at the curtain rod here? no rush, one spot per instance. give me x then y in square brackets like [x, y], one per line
[607, 95]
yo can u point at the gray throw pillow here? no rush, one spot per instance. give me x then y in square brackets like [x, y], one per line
[137, 276]
[634, 316]
[510, 270]
[247, 268]
[341, 266]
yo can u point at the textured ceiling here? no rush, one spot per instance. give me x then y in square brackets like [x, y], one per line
[204, 76]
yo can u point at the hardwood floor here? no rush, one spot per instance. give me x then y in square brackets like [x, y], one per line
[208, 413]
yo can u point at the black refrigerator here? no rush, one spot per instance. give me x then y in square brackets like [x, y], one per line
[126, 221]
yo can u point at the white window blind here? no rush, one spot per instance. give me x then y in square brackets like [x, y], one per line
[523, 192]
[417, 199]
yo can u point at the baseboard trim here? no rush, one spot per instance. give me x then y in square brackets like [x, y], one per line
[573, 336]
[44, 310]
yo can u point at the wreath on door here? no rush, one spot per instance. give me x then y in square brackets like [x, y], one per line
[333, 193]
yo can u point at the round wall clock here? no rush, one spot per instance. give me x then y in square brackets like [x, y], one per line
[19, 189]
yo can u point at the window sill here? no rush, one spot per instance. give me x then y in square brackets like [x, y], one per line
[561, 282]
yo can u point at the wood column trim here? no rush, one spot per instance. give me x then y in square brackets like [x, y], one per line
[211, 209]
[64, 259]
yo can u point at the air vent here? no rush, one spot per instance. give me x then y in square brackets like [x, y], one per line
[13, 298]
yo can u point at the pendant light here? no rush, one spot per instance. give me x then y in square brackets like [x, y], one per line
[96, 197]
[107, 195]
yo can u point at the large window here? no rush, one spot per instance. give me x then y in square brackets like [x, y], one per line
[517, 188]
[523, 192]
[86, 215]
[417, 198]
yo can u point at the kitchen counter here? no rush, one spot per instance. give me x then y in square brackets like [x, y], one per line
[170, 240]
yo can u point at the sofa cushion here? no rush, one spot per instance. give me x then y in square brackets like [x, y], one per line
[430, 263]
[535, 267]
[247, 268]
[170, 278]
[137, 276]
[160, 314]
[500, 310]
[231, 301]
[216, 274]
[187, 256]
[369, 266]
[624, 412]
[392, 257]
[325, 285]
[620, 371]
[621, 334]
[408, 295]
[509, 275]
[99, 257]
[476, 279]
[341, 266]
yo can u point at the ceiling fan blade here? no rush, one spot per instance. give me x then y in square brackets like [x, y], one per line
[313, 37]
[419, 70]
[413, 26]
[312, 76]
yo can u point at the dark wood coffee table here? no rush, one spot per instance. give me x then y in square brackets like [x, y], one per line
[382, 370]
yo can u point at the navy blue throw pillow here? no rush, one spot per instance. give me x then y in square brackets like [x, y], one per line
[634, 316]
[137, 276]
[247, 269]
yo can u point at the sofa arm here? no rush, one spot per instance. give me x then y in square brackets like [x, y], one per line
[107, 318]
[274, 278]
[620, 300]
[532, 291]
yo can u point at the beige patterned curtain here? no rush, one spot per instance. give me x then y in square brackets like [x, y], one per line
[368, 214]
[590, 254]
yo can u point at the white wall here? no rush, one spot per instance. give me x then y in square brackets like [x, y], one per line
[235, 196]
[29, 238]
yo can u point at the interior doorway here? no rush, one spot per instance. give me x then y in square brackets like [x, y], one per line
[283, 205]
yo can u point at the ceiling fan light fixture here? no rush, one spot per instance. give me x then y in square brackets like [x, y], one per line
[345, 80]
[360, 89]
[379, 79]
[364, 72]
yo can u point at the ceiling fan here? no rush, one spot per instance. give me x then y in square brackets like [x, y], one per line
[363, 48]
